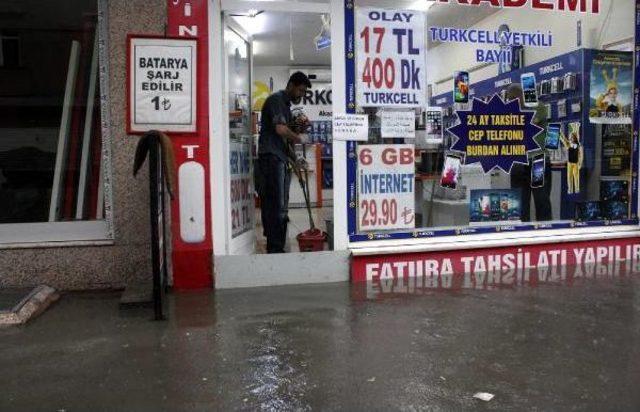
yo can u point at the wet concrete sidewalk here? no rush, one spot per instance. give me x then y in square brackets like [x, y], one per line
[557, 346]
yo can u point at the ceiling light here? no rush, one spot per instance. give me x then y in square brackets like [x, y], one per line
[257, 47]
[253, 25]
[252, 13]
[422, 5]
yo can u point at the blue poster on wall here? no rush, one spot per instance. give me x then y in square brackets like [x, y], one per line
[495, 134]
[611, 87]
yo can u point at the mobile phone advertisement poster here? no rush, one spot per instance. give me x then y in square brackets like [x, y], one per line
[386, 187]
[495, 134]
[390, 58]
[611, 87]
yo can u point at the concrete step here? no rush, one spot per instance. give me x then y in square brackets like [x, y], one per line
[281, 269]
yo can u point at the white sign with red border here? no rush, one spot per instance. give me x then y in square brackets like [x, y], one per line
[162, 85]
[386, 187]
[390, 58]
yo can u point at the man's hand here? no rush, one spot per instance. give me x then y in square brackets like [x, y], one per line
[287, 133]
[304, 138]
[302, 164]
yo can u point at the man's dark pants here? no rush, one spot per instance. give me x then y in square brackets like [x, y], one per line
[521, 179]
[275, 179]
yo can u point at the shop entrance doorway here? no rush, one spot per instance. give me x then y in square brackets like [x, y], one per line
[262, 44]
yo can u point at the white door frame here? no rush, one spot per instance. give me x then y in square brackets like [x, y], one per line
[338, 90]
[223, 244]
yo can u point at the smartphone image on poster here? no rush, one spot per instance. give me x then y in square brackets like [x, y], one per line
[461, 87]
[485, 202]
[451, 171]
[504, 206]
[553, 136]
[537, 171]
[528, 82]
[494, 198]
[515, 210]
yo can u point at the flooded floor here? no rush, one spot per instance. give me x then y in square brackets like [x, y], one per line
[561, 342]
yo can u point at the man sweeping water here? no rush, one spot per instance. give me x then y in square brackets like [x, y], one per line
[275, 151]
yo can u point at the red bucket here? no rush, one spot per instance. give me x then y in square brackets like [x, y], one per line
[311, 240]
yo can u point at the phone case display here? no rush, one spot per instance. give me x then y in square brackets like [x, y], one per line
[570, 81]
[545, 87]
[616, 149]
[494, 205]
[548, 109]
[576, 107]
[557, 85]
[562, 108]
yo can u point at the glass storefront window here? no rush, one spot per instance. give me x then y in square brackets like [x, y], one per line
[559, 156]
[50, 132]
[241, 129]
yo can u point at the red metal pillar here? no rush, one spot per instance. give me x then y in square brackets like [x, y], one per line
[192, 253]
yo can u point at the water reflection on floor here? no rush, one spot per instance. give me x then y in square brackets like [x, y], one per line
[548, 339]
[497, 279]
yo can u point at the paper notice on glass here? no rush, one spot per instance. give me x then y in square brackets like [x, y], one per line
[351, 127]
[398, 124]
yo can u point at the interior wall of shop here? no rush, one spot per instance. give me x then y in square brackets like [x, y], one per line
[280, 75]
[445, 58]
[127, 260]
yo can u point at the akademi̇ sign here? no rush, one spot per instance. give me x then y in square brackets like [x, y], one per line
[162, 84]
[562, 5]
